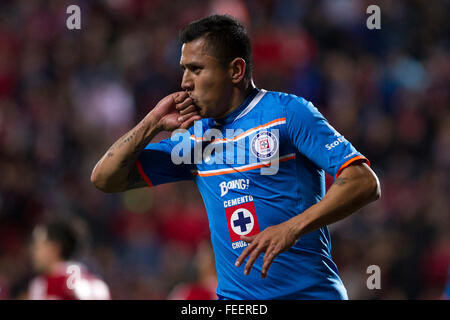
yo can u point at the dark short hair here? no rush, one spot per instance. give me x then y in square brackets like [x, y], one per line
[226, 37]
[68, 235]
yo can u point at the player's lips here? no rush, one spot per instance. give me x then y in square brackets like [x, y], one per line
[194, 101]
[192, 97]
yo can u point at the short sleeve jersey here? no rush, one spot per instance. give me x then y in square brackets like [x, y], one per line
[259, 166]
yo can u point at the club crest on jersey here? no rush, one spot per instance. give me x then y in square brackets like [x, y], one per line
[242, 221]
[264, 145]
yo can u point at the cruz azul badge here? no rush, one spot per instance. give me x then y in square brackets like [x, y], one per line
[242, 221]
[264, 145]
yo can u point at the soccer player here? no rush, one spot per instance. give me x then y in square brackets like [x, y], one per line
[263, 185]
[53, 247]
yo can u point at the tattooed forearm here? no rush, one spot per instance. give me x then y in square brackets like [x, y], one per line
[116, 169]
[121, 142]
[341, 181]
[129, 138]
[133, 156]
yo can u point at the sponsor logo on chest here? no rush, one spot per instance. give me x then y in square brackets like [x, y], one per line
[239, 184]
[241, 219]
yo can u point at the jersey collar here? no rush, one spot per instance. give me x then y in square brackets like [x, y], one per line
[241, 109]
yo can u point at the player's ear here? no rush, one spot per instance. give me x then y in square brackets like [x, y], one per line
[237, 70]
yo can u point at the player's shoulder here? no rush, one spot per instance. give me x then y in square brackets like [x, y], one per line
[287, 100]
[291, 105]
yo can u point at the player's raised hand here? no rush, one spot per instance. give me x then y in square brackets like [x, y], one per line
[271, 241]
[175, 111]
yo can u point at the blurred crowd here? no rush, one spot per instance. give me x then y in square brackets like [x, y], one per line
[67, 95]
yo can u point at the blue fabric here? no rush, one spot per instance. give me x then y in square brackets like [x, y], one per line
[250, 191]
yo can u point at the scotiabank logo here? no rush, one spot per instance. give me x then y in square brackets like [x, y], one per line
[340, 139]
[242, 221]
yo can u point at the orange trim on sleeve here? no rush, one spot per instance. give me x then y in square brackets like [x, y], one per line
[347, 163]
[142, 173]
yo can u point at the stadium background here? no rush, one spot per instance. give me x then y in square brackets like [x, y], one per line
[65, 96]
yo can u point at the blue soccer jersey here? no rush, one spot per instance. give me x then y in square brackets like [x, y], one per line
[259, 166]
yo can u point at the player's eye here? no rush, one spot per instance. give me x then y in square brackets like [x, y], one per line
[192, 68]
[196, 69]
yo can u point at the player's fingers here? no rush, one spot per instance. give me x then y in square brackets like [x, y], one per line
[188, 120]
[187, 110]
[248, 239]
[245, 252]
[252, 258]
[180, 96]
[185, 117]
[184, 104]
[268, 253]
[269, 256]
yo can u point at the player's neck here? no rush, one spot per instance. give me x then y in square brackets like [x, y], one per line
[238, 97]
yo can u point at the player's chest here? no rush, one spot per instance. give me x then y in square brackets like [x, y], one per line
[243, 144]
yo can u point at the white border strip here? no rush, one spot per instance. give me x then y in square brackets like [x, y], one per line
[252, 104]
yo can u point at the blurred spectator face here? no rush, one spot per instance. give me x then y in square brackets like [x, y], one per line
[44, 252]
[205, 79]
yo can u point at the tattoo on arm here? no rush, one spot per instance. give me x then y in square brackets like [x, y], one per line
[130, 160]
[121, 142]
[341, 181]
[133, 179]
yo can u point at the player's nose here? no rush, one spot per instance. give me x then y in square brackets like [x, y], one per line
[187, 82]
